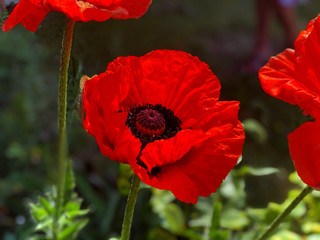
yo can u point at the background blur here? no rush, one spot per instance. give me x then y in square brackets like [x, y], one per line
[220, 33]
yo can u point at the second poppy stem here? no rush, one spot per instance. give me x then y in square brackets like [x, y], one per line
[132, 198]
[285, 213]
[62, 115]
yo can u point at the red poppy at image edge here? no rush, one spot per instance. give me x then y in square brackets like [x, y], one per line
[30, 13]
[160, 113]
[294, 77]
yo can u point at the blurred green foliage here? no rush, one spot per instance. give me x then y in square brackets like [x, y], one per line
[225, 215]
[221, 34]
[71, 219]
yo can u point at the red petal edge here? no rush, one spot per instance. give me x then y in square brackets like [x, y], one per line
[30, 13]
[304, 146]
[106, 125]
[279, 79]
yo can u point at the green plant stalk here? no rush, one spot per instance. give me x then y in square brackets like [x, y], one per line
[62, 115]
[285, 213]
[128, 215]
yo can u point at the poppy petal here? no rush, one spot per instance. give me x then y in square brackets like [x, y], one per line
[279, 79]
[183, 79]
[307, 53]
[126, 74]
[303, 36]
[92, 117]
[175, 79]
[221, 117]
[219, 114]
[30, 13]
[169, 77]
[107, 125]
[304, 146]
[100, 10]
[175, 148]
[213, 159]
[213, 155]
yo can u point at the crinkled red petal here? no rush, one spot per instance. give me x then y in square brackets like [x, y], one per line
[164, 152]
[195, 162]
[307, 55]
[303, 36]
[106, 123]
[175, 79]
[304, 146]
[187, 85]
[219, 114]
[126, 76]
[279, 78]
[213, 120]
[100, 10]
[30, 13]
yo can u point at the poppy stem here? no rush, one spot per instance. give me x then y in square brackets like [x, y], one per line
[62, 115]
[131, 202]
[285, 213]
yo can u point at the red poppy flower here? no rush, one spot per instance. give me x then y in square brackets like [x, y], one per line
[30, 13]
[160, 113]
[294, 77]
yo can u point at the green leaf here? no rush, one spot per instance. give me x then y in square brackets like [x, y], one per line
[234, 219]
[220, 235]
[44, 224]
[245, 170]
[190, 234]
[171, 214]
[71, 231]
[256, 130]
[160, 199]
[311, 227]
[47, 205]
[215, 221]
[71, 220]
[257, 214]
[77, 213]
[38, 213]
[160, 234]
[233, 188]
[285, 235]
[73, 205]
[173, 218]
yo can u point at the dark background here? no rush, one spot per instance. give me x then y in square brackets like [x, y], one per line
[220, 33]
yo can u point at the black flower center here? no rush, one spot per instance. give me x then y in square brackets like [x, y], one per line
[150, 123]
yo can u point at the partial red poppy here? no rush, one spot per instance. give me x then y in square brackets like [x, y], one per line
[294, 77]
[304, 146]
[160, 113]
[30, 13]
